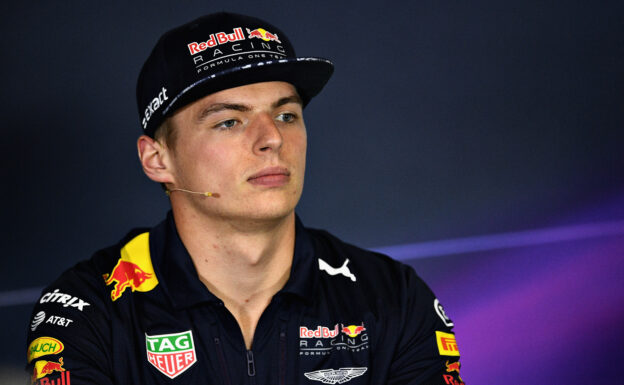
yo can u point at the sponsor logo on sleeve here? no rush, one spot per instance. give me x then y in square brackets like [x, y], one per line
[453, 367]
[171, 354]
[44, 346]
[66, 299]
[447, 345]
[335, 376]
[37, 320]
[43, 368]
[440, 311]
[450, 380]
[63, 379]
[134, 268]
[323, 340]
[52, 320]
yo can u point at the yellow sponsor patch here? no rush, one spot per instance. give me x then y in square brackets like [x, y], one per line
[447, 345]
[134, 268]
[43, 346]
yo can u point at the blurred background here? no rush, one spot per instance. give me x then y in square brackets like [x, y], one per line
[480, 142]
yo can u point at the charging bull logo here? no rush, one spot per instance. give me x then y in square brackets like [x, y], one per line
[134, 268]
[453, 367]
[43, 368]
[263, 34]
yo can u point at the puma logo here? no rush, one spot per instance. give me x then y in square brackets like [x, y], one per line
[344, 270]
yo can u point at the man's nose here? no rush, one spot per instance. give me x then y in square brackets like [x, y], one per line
[268, 135]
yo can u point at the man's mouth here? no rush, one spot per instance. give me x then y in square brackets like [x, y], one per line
[271, 177]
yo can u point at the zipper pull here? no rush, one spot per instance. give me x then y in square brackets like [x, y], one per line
[251, 366]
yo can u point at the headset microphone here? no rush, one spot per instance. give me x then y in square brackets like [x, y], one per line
[206, 194]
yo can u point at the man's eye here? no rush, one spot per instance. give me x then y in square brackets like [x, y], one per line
[286, 117]
[226, 124]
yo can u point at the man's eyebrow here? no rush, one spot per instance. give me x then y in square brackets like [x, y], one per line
[211, 109]
[288, 99]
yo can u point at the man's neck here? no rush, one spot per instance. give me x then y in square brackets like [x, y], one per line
[244, 263]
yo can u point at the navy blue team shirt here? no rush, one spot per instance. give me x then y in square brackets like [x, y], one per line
[137, 313]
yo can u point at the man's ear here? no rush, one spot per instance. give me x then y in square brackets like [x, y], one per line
[155, 160]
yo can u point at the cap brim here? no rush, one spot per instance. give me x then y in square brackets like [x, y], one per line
[309, 75]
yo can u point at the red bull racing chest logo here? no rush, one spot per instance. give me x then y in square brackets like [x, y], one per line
[323, 340]
[171, 354]
[319, 332]
[353, 330]
[134, 268]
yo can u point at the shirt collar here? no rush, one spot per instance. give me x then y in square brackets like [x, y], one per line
[177, 274]
[304, 270]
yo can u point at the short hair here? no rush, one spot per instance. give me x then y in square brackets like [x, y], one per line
[166, 134]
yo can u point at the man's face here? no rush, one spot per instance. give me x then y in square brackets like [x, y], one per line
[249, 145]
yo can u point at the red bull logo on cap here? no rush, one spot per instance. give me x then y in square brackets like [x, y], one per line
[263, 34]
[134, 268]
[216, 39]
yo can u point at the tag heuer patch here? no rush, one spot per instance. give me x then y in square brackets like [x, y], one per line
[171, 354]
[335, 376]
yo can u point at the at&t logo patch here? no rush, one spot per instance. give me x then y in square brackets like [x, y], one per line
[37, 320]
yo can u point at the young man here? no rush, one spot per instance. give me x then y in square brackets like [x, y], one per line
[231, 288]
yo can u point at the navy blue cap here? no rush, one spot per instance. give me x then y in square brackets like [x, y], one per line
[217, 52]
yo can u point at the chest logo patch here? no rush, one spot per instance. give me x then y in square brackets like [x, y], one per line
[171, 354]
[335, 376]
[344, 270]
[134, 268]
[324, 340]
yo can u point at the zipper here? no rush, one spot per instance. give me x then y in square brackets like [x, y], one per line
[224, 371]
[251, 367]
[282, 368]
